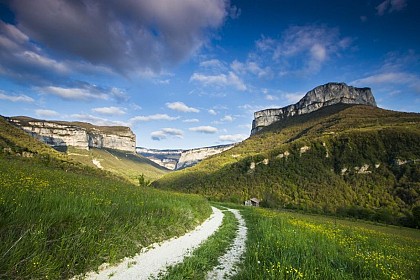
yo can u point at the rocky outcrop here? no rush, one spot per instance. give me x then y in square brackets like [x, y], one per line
[321, 96]
[165, 158]
[194, 156]
[179, 159]
[77, 134]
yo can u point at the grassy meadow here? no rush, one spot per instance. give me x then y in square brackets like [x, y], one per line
[56, 224]
[287, 245]
[124, 164]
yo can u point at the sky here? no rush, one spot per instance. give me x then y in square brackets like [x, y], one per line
[191, 73]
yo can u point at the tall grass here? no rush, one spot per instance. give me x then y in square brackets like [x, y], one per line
[293, 246]
[56, 224]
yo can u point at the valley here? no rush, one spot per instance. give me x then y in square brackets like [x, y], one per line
[316, 173]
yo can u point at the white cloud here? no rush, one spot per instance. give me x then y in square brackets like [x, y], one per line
[212, 112]
[109, 110]
[16, 98]
[318, 52]
[212, 63]
[42, 61]
[45, 113]
[247, 126]
[221, 80]
[158, 135]
[75, 94]
[301, 50]
[96, 120]
[293, 97]
[181, 107]
[155, 117]
[191, 121]
[227, 118]
[271, 97]
[390, 6]
[232, 137]
[204, 129]
[165, 132]
[251, 67]
[119, 95]
[403, 78]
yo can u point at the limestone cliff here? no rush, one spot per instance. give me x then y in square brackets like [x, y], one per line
[179, 159]
[321, 96]
[193, 156]
[77, 134]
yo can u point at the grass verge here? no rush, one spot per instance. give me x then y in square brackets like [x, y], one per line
[203, 259]
[283, 245]
[57, 224]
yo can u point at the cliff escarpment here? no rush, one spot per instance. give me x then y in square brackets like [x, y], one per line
[319, 97]
[60, 134]
[180, 159]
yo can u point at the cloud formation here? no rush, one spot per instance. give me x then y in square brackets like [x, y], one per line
[191, 121]
[165, 132]
[389, 6]
[45, 113]
[220, 80]
[391, 78]
[181, 107]
[15, 98]
[75, 94]
[300, 50]
[112, 111]
[204, 129]
[96, 120]
[126, 35]
[155, 117]
[232, 137]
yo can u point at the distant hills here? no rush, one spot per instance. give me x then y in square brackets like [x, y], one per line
[343, 159]
[179, 159]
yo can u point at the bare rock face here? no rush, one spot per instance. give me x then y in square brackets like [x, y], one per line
[321, 96]
[179, 159]
[79, 135]
[191, 157]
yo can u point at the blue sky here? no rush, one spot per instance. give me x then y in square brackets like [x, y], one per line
[190, 73]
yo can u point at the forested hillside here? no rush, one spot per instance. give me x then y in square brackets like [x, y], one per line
[357, 161]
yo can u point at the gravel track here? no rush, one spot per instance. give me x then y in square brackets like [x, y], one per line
[229, 261]
[151, 262]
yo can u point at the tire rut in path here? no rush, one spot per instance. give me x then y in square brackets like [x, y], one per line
[230, 260]
[152, 262]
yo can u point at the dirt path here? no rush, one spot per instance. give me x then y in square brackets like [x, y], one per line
[150, 263]
[228, 262]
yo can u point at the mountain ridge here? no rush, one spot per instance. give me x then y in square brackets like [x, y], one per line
[319, 97]
[175, 159]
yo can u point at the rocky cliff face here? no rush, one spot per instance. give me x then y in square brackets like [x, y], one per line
[321, 96]
[165, 158]
[194, 156]
[179, 159]
[77, 134]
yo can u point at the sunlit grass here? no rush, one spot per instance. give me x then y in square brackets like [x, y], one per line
[56, 224]
[285, 245]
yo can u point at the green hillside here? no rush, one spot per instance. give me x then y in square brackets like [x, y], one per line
[60, 218]
[125, 164]
[348, 160]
